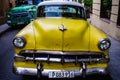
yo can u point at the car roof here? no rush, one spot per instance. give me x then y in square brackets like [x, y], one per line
[22, 8]
[60, 3]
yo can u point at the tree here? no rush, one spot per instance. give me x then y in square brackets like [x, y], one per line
[88, 2]
[107, 3]
[80, 1]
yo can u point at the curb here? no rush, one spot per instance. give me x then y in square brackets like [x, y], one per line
[4, 28]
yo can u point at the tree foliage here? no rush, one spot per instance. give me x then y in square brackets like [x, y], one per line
[88, 2]
[106, 2]
[80, 1]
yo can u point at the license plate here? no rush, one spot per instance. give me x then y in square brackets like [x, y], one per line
[61, 74]
[20, 23]
[8, 21]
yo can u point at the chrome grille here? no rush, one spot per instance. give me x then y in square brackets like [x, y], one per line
[19, 15]
[62, 57]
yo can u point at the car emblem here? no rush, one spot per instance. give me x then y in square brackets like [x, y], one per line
[62, 28]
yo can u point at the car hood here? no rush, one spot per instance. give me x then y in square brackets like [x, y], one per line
[61, 34]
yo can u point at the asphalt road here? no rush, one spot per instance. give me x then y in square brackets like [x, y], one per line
[7, 53]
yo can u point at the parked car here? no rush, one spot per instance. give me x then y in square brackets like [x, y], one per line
[21, 15]
[60, 43]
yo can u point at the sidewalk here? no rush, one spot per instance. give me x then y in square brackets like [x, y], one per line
[3, 28]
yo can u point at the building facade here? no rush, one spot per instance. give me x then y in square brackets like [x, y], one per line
[5, 6]
[107, 17]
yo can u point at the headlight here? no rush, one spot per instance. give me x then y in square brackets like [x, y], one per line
[104, 44]
[19, 42]
[8, 16]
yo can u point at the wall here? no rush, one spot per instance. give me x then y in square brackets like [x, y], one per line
[4, 8]
[108, 26]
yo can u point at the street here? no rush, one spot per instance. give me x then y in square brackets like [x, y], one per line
[7, 53]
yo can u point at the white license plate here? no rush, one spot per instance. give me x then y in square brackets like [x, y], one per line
[20, 23]
[8, 21]
[61, 74]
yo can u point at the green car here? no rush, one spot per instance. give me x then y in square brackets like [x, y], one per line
[21, 15]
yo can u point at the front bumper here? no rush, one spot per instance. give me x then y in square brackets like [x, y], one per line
[42, 66]
[83, 69]
[33, 71]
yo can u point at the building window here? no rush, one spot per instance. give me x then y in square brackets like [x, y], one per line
[118, 20]
[105, 11]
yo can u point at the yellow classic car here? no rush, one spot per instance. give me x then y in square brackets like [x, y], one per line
[60, 43]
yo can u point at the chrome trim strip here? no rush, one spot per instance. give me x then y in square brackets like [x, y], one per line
[45, 72]
[65, 60]
[61, 52]
[61, 57]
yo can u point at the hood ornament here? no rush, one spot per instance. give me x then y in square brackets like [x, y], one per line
[62, 28]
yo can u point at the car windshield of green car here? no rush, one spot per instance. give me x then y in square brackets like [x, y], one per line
[68, 11]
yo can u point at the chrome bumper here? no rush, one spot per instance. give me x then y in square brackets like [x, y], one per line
[45, 72]
[63, 58]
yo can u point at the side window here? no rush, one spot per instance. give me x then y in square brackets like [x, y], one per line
[105, 11]
[32, 14]
[32, 11]
[81, 13]
[118, 20]
[40, 11]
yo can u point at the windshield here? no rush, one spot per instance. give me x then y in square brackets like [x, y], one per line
[61, 11]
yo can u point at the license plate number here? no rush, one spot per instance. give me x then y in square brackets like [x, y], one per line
[20, 23]
[61, 74]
